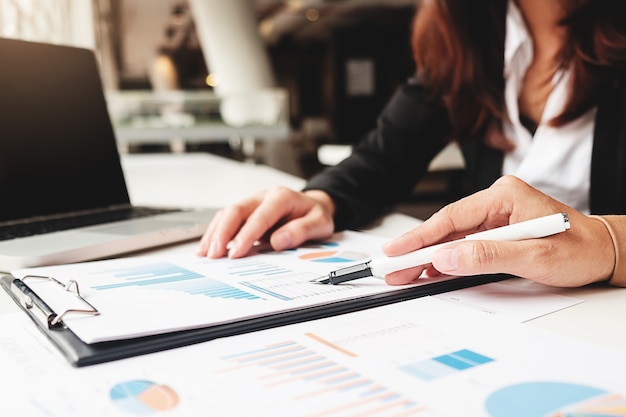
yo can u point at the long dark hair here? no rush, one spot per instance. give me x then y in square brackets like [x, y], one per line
[458, 46]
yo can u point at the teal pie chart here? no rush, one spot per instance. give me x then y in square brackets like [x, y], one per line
[554, 399]
[140, 397]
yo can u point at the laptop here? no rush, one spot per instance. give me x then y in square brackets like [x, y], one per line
[63, 196]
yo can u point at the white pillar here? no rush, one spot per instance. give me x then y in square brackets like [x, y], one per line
[232, 46]
[237, 57]
[82, 24]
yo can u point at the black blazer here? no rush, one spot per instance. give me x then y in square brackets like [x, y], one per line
[389, 161]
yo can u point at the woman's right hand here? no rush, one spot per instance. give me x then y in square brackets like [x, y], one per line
[580, 256]
[284, 217]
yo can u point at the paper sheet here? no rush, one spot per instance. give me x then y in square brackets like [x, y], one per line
[515, 303]
[147, 295]
[424, 357]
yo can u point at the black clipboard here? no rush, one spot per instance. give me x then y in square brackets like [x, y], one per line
[79, 353]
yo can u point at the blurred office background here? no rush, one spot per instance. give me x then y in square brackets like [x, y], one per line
[288, 83]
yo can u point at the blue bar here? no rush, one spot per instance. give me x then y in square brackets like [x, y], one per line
[241, 265]
[453, 362]
[309, 362]
[294, 365]
[390, 398]
[275, 363]
[427, 370]
[258, 269]
[154, 281]
[224, 292]
[340, 380]
[337, 371]
[371, 392]
[159, 269]
[268, 271]
[211, 288]
[238, 295]
[265, 349]
[357, 386]
[247, 296]
[326, 374]
[279, 272]
[137, 276]
[472, 357]
[270, 354]
[303, 372]
[411, 404]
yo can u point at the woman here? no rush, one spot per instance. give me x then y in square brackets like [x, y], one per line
[530, 88]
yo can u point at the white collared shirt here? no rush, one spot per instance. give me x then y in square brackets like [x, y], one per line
[557, 160]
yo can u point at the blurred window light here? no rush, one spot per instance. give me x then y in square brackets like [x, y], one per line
[36, 20]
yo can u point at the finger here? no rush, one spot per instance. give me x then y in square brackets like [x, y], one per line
[277, 205]
[501, 204]
[431, 271]
[444, 225]
[205, 241]
[225, 228]
[494, 207]
[536, 259]
[314, 225]
[405, 276]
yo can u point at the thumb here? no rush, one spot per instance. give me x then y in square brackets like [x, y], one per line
[478, 257]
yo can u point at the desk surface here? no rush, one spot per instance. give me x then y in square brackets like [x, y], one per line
[201, 180]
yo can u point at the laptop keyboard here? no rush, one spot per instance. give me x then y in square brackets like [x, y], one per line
[56, 225]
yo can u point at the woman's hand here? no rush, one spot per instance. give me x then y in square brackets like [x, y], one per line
[579, 256]
[285, 217]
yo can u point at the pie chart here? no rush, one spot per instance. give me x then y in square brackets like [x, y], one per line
[555, 399]
[142, 397]
[333, 256]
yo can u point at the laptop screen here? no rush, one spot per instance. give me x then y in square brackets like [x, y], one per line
[57, 146]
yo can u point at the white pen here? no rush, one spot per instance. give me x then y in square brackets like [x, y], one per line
[529, 229]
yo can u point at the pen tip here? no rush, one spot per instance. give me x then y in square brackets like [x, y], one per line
[321, 280]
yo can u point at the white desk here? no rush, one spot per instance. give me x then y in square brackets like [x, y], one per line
[197, 179]
[200, 180]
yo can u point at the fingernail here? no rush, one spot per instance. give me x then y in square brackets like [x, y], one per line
[233, 249]
[446, 260]
[213, 248]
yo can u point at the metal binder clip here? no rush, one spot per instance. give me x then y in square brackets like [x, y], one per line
[32, 302]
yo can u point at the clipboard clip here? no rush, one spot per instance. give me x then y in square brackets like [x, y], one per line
[39, 309]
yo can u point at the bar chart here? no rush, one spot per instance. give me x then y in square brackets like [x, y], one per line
[255, 267]
[167, 276]
[293, 286]
[317, 383]
[251, 280]
[444, 365]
